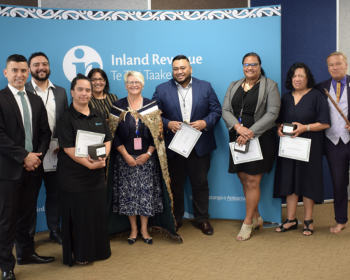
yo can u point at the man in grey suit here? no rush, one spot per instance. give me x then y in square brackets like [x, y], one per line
[55, 101]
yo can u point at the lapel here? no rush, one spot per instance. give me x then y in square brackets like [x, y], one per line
[13, 103]
[348, 90]
[58, 108]
[32, 104]
[234, 89]
[195, 95]
[261, 92]
[174, 95]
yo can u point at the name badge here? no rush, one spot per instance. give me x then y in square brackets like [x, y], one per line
[185, 117]
[137, 144]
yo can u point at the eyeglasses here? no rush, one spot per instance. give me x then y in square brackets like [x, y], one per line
[97, 80]
[251, 64]
[298, 76]
[136, 83]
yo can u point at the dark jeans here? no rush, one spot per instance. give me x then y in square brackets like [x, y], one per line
[338, 157]
[17, 197]
[197, 169]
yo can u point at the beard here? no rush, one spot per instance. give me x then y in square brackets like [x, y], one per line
[187, 78]
[36, 76]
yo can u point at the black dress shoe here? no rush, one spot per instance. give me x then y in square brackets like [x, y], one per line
[56, 236]
[206, 228]
[34, 259]
[8, 275]
[131, 241]
[178, 225]
[147, 240]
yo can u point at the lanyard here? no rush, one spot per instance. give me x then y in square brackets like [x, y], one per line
[136, 119]
[48, 93]
[244, 95]
[182, 97]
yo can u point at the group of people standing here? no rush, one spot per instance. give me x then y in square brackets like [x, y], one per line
[138, 157]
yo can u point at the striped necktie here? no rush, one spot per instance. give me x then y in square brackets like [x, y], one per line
[26, 122]
[338, 91]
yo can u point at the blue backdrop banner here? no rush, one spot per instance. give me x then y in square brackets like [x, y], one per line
[117, 41]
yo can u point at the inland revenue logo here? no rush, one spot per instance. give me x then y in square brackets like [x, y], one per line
[80, 59]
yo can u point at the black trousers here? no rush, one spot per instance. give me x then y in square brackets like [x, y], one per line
[17, 198]
[52, 204]
[197, 169]
[338, 157]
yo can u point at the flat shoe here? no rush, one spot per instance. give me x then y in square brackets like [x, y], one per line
[147, 240]
[131, 241]
[307, 229]
[283, 229]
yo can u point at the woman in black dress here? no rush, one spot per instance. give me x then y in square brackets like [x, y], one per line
[82, 181]
[308, 109]
[250, 109]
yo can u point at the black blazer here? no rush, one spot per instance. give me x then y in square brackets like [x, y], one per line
[60, 99]
[327, 85]
[12, 135]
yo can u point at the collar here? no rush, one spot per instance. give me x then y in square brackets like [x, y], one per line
[36, 87]
[188, 86]
[342, 81]
[77, 114]
[15, 91]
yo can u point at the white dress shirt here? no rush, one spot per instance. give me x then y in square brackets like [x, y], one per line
[185, 98]
[49, 102]
[19, 102]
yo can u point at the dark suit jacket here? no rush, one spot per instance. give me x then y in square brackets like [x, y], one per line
[122, 132]
[60, 99]
[205, 106]
[327, 85]
[12, 135]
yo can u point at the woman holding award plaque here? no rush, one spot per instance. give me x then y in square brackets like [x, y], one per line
[137, 187]
[82, 180]
[304, 114]
[250, 109]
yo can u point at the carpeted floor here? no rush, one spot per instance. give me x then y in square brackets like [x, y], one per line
[267, 255]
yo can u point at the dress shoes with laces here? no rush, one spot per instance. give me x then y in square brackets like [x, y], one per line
[206, 228]
[8, 275]
[34, 259]
[56, 236]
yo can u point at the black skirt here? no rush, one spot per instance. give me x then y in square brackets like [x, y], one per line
[84, 226]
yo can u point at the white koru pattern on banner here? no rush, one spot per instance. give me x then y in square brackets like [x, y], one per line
[138, 15]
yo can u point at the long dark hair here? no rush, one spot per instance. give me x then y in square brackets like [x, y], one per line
[104, 76]
[258, 57]
[310, 78]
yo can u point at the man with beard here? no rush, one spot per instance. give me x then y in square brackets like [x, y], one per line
[55, 101]
[189, 100]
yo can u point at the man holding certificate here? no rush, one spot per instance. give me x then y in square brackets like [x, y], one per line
[304, 115]
[185, 99]
[337, 140]
[55, 101]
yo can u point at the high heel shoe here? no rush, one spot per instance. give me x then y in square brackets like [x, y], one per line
[283, 229]
[259, 222]
[147, 240]
[245, 232]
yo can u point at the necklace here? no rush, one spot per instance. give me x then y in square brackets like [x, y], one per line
[248, 86]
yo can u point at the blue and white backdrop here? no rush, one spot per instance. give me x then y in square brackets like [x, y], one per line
[117, 41]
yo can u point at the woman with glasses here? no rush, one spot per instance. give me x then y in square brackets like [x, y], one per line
[250, 108]
[308, 110]
[101, 99]
[137, 184]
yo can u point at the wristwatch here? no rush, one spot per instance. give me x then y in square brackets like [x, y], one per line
[150, 154]
[308, 128]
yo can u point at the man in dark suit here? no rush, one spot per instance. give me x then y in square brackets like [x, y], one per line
[187, 99]
[55, 101]
[337, 140]
[24, 139]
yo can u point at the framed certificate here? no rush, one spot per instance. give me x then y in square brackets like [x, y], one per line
[184, 140]
[85, 139]
[295, 148]
[254, 153]
[50, 159]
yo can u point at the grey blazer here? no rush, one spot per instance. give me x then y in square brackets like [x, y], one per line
[267, 108]
[60, 98]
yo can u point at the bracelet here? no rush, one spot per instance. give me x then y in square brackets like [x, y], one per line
[239, 127]
[150, 154]
[308, 128]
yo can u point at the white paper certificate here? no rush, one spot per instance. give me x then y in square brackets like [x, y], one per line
[295, 148]
[85, 139]
[253, 154]
[184, 140]
[50, 159]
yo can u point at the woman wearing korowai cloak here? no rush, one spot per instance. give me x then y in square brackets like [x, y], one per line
[138, 149]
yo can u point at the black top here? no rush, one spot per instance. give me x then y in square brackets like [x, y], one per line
[295, 176]
[104, 105]
[74, 177]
